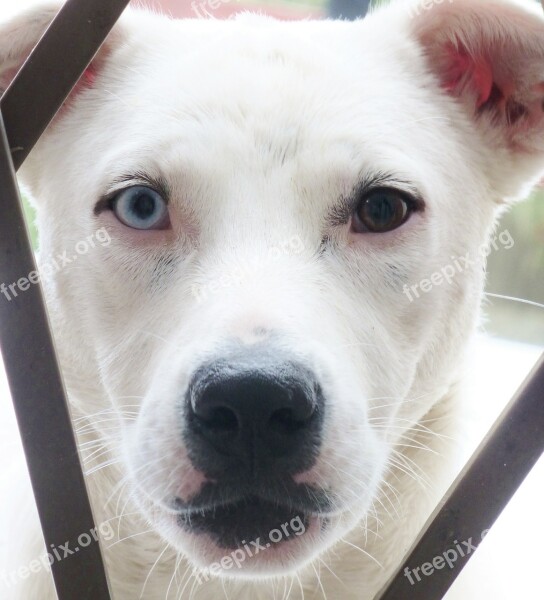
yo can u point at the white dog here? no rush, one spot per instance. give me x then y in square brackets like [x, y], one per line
[277, 228]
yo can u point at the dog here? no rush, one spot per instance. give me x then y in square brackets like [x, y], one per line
[275, 236]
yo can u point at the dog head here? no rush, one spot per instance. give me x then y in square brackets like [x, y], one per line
[285, 228]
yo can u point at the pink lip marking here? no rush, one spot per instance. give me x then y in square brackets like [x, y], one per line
[307, 477]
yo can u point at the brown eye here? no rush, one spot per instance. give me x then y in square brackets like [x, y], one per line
[381, 210]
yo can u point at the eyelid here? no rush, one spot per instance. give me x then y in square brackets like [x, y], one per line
[342, 212]
[411, 196]
[125, 182]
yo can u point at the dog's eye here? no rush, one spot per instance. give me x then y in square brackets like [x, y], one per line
[381, 210]
[141, 207]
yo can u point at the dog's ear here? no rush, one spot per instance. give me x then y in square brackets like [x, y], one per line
[489, 55]
[20, 34]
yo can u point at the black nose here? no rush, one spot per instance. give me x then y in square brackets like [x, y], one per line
[251, 415]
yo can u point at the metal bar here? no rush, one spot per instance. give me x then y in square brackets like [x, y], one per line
[28, 106]
[478, 496]
[53, 69]
[40, 405]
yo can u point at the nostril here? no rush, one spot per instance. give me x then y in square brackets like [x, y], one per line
[219, 419]
[296, 415]
[284, 420]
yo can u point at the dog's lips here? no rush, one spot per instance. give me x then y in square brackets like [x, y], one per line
[241, 530]
[233, 524]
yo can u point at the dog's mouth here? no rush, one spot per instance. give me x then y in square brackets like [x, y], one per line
[243, 529]
[241, 517]
[251, 519]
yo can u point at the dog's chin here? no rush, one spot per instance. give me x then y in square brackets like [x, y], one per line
[244, 539]
[253, 538]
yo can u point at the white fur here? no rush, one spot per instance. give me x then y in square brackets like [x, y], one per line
[260, 127]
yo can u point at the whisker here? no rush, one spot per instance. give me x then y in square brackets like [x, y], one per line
[151, 570]
[330, 570]
[514, 299]
[129, 537]
[319, 581]
[103, 466]
[162, 339]
[367, 554]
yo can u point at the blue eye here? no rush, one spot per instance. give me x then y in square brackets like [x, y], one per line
[141, 207]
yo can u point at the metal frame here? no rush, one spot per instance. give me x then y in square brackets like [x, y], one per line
[472, 504]
[480, 493]
[39, 398]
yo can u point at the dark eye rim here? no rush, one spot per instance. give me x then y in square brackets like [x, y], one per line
[128, 181]
[413, 204]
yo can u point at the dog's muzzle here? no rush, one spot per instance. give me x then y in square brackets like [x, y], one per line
[253, 420]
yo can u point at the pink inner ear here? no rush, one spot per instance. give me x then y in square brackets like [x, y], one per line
[87, 80]
[89, 76]
[477, 71]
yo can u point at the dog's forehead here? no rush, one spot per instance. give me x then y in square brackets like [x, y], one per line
[312, 103]
[272, 79]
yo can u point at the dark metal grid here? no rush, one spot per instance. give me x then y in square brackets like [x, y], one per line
[32, 369]
[471, 505]
[40, 405]
[53, 69]
[478, 496]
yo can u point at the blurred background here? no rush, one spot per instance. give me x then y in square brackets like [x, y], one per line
[508, 563]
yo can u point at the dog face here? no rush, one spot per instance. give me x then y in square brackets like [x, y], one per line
[271, 194]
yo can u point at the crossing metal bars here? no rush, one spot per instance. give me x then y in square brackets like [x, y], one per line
[473, 503]
[34, 377]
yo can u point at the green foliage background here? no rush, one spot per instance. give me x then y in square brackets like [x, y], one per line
[519, 272]
[31, 224]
